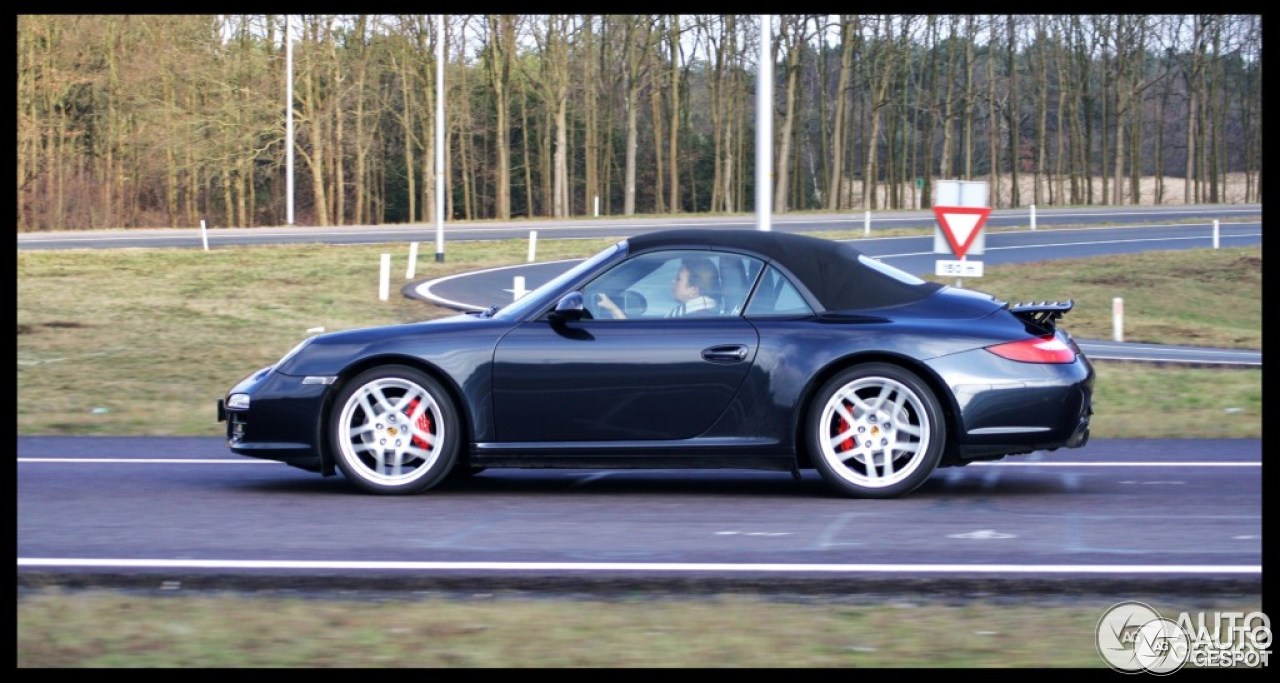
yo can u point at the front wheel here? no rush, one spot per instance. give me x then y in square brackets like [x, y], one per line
[394, 430]
[875, 431]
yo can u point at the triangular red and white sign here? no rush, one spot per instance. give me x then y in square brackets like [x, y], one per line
[961, 224]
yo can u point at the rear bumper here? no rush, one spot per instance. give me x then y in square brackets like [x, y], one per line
[1017, 407]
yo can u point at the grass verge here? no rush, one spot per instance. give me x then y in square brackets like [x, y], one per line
[108, 629]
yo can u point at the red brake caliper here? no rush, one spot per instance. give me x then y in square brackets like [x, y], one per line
[847, 444]
[424, 424]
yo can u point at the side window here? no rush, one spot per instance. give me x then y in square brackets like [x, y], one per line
[776, 296]
[737, 272]
[672, 284]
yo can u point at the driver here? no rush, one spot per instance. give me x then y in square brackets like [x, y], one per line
[695, 289]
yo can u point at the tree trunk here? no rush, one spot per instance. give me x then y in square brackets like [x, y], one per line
[993, 130]
[791, 35]
[849, 25]
[502, 43]
[673, 165]
[1014, 114]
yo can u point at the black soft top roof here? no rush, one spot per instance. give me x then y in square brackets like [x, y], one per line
[830, 270]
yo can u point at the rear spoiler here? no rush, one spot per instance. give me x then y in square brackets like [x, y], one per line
[1042, 314]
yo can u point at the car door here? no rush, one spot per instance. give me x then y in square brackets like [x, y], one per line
[642, 377]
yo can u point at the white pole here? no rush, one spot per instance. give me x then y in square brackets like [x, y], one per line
[1033, 216]
[413, 261]
[384, 278]
[866, 224]
[764, 126]
[439, 138]
[533, 244]
[1117, 318]
[288, 124]
[597, 203]
[517, 287]
[1215, 234]
[204, 235]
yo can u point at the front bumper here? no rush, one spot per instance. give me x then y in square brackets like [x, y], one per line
[282, 421]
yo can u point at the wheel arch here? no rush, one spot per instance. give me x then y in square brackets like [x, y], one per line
[328, 463]
[950, 411]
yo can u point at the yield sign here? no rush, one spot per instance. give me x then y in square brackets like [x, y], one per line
[961, 224]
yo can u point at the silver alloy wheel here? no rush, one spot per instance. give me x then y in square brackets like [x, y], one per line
[875, 432]
[391, 432]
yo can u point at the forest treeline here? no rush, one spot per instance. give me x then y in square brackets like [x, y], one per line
[166, 120]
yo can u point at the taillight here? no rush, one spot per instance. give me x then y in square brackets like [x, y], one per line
[1046, 349]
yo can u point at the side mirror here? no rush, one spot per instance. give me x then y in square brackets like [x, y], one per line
[570, 307]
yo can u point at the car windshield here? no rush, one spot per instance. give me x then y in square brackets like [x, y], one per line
[538, 297]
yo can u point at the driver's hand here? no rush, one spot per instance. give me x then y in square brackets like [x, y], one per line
[603, 301]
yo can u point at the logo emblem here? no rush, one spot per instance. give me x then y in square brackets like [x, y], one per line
[1133, 637]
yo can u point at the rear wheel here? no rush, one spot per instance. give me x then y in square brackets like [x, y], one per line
[875, 431]
[394, 430]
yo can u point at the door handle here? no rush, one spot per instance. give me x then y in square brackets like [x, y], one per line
[728, 353]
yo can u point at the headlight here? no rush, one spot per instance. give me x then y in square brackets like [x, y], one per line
[238, 402]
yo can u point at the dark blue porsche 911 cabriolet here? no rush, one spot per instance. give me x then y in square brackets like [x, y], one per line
[683, 349]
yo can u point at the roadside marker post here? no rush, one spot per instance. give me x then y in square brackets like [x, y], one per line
[1117, 319]
[384, 278]
[413, 261]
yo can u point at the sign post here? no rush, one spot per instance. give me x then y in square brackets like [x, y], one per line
[961, 210]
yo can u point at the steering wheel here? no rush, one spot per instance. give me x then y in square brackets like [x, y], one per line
[634, 304]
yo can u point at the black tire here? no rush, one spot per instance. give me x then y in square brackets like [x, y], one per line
[394, 430]
[865, 413]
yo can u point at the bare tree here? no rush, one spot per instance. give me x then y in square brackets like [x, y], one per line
[500, 49]
[792, 36]
[638, 37]
[850, 27]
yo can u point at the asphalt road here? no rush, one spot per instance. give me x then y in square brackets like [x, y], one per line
[577, 228]
[1123, 515]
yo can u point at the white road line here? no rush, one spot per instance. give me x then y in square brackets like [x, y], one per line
[151, 461]
[1170, 463]
[648, 566]
[1039, 463]
[1054, 244]
[425, 288]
